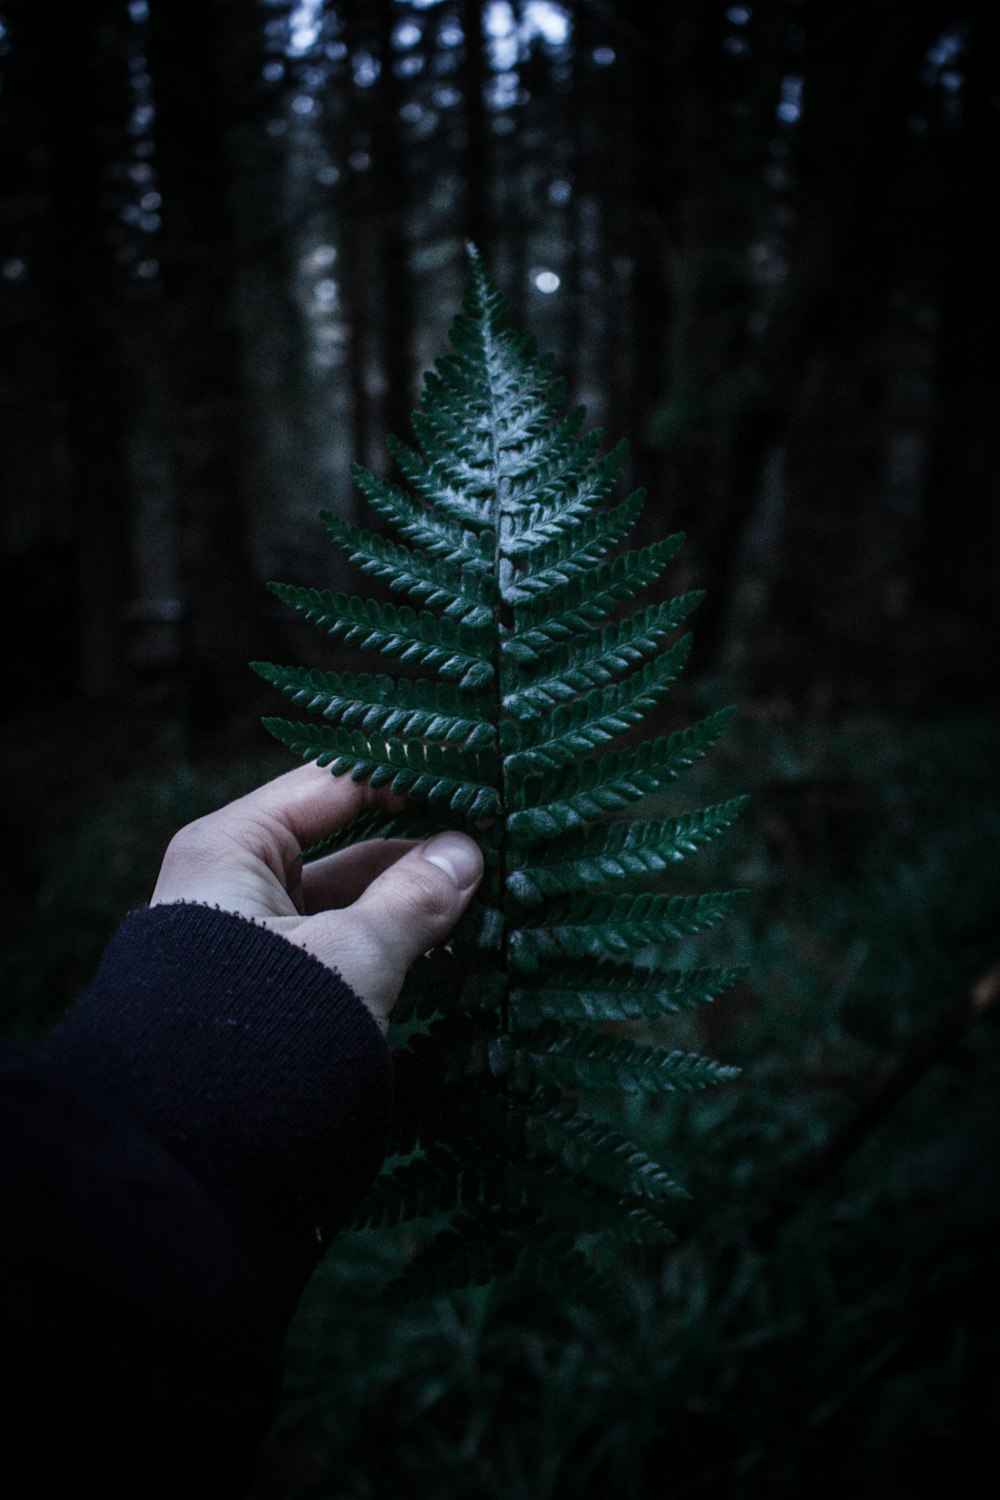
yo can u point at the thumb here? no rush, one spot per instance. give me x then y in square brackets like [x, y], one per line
[417, 901]
[410, 907]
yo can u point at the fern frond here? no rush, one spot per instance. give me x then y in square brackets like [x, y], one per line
[422, 1187]
[467, 1252]
[506, 540]
[527, 419]
[454, 544]
[472, 1251]
[434, 982]
[367, 826]
[611, 991]
[583, 1145]
[458, 652]
[414, 1190]
[601, 585]
[561, 561]
[546, 1186]
[427, 772]
[408, 705]
[463, 594]
[592, 660]
[585, 601]
[591, 720]
[524, 432]
[548, 1191]
[584, 792]
[556, 499]
[564, 478]
[458, 488]
[571, 1058]
[594, 928]
[620, 851]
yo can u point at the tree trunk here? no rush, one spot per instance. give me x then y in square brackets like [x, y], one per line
[958, 581]
[224, 624]
[828, 597]
[352, 145]
[395, 282]
[643, 38]
[477, 228]
[95, 388]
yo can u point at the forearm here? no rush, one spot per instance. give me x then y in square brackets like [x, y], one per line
[213, 1098]
[252, 1063]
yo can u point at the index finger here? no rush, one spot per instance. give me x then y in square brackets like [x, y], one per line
[309, 803]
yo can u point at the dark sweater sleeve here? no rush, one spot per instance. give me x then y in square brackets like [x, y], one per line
[209, 1112]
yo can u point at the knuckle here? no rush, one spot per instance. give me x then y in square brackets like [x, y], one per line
[196, 847]
[207, 840]
[192, 842]
[365, 953]
[429, 893]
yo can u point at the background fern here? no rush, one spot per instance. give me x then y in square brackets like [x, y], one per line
[504, 556]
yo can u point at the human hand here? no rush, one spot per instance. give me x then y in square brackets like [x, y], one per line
[367, 911]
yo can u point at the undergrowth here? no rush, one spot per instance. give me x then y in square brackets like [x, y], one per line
[795, 1342]
[801, 1338]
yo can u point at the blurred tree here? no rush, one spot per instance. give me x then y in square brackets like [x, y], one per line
[79, 70]
[394, 210]
[843, 259]
[224, 625]
[476, 163]
[959, 560]
[752, 234]
[708, 87]
[352, 143]
[35, 515]
[770, 218]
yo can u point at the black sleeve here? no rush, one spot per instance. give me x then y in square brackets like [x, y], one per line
[209, 1112]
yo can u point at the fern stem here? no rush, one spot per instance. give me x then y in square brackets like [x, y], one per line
[503, 615]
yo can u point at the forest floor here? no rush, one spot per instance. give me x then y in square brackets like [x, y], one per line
[833, 1306]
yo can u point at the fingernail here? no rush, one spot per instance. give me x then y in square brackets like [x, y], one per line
[457, 856]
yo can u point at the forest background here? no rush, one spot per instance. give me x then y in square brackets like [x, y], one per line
[761, 241]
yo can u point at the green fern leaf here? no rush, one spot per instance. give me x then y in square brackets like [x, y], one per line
[367, 826]
[549, 1192]
[505, 539]
[414, 1190]
[427, 772]
[592, 592]
[557, 496]
[410, 706]
[591, 661]
[612, 991]
[458, 652]
[458, 490]
[591, 720]
[465, 595]
[456, 546]
[583, 1145]
[584, 601]
[623, 851]
[545, 806]
[561, 561]
[467, 1252]
[546, 1185]
[594, 928]
[558, 1054]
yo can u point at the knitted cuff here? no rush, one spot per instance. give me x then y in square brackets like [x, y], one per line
[250, 1061]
